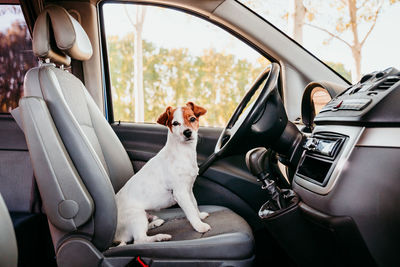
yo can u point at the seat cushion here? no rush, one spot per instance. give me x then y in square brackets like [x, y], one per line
[230, 238]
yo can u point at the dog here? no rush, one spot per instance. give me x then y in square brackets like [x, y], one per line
[164, 180]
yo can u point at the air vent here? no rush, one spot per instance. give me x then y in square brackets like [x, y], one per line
[387, 83]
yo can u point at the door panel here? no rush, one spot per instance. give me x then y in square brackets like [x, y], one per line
[143, 140]
[16, 174]
[227, 182]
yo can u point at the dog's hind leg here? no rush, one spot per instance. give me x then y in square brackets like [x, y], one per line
[139, 226]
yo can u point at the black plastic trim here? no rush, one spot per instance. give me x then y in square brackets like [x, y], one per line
[105, 67]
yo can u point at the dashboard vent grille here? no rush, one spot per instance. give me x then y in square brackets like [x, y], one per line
[387, 83]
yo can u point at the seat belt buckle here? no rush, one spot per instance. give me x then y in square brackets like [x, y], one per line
[139, 262]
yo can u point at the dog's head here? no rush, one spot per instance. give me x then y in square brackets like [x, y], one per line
[183, 122]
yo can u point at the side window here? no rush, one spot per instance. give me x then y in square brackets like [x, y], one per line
[160, 57]
[16, 56]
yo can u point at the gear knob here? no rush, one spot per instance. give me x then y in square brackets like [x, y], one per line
[257, 161]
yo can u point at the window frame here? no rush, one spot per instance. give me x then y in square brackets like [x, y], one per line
[10, 2]
[108, 104]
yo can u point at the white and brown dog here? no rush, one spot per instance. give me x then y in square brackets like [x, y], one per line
[165, 180]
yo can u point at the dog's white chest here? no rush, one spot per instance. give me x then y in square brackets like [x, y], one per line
[182, 170]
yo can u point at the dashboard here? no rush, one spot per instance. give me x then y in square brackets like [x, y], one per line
[348, 177]
[371, 102]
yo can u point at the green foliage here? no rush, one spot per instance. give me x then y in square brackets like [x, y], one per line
[172, 77]
[16, 58]
[339, 68]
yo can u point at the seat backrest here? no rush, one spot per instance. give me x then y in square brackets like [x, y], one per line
[78, 160]
[8, 243]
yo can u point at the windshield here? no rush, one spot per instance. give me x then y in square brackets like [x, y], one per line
[354, 37]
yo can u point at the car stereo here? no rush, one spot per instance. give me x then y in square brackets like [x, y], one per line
[323, 145]
[320, 155]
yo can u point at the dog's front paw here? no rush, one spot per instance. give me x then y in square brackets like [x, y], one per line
[162, 237]
[122, 243]
[203, 215]
[202, 227]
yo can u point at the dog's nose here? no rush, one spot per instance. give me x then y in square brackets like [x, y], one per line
[187, 133]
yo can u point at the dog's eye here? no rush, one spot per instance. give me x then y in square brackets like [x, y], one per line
[192, 119]
[175, 123]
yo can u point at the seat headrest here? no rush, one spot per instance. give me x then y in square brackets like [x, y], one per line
[59, 37]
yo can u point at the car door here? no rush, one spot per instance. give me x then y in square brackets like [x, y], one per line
[156, 57]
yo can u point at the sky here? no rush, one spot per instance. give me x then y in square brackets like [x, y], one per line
[7, 17]
[169, 28]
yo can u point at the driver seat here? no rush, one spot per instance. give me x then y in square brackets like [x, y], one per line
[79, 165]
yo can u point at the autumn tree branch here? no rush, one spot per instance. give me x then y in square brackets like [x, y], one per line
[129, 17]
[362, 5]
[330, 33]
[373, 24]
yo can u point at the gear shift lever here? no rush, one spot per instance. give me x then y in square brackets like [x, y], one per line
[257, 161]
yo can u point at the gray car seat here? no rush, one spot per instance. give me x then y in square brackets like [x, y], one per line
[79, 164]
[8, 243]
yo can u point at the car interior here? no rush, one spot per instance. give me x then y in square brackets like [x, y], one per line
[304, 173]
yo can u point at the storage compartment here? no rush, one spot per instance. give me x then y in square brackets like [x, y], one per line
[315, 169]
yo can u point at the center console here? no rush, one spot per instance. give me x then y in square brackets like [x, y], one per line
[371, 103]
[318, 171]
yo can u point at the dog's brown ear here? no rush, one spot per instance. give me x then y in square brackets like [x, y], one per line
[163, 119]
[197, 110]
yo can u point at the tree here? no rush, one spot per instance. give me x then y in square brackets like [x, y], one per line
[213, 79]
[137, 24]
[120, 58]
[16, 58]
[339, 68]
[350, 14]
[296, 16]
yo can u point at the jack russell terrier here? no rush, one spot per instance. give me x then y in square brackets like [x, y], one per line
[165, 180]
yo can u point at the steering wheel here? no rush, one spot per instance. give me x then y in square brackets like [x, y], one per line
[252, 122]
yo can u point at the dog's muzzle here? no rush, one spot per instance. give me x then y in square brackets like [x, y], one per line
[187, 133]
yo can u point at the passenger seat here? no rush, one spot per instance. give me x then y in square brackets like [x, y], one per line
[80, 163]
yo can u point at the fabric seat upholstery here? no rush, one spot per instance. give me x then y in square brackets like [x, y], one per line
[229, 238]
[79, 164]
